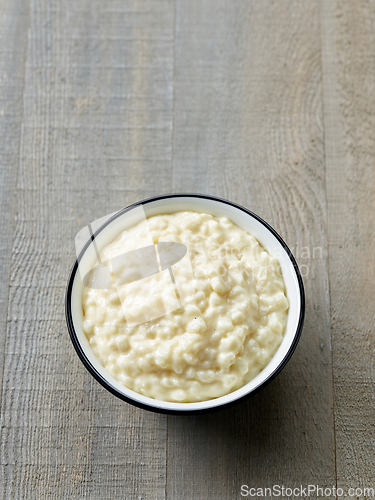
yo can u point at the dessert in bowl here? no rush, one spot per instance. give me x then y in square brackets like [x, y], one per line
[184, 303]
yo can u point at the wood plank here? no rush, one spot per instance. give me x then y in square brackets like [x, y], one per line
[14, 21]
[248, 126]
[349, 118]
[97, 135]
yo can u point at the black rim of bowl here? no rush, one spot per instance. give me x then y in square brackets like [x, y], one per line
[155, 407]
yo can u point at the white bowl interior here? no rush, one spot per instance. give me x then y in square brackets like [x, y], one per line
[219, 209]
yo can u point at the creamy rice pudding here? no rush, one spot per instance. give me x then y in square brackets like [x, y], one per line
[198, 330]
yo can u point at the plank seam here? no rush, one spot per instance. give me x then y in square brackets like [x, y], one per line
[325, 40]
[16, 191]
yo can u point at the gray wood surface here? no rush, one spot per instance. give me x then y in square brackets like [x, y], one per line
[349, 96]
[13, 43]
[269, 104]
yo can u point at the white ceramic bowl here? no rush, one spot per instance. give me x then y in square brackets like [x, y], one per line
[245, 219]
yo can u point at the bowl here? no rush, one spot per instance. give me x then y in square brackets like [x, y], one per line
[105, 230]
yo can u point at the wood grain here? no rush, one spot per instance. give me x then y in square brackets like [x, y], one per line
[248, 127]
[349, 96]
[97, 124]
[14, 21]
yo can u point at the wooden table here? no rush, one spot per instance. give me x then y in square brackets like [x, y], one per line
[270, 104]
